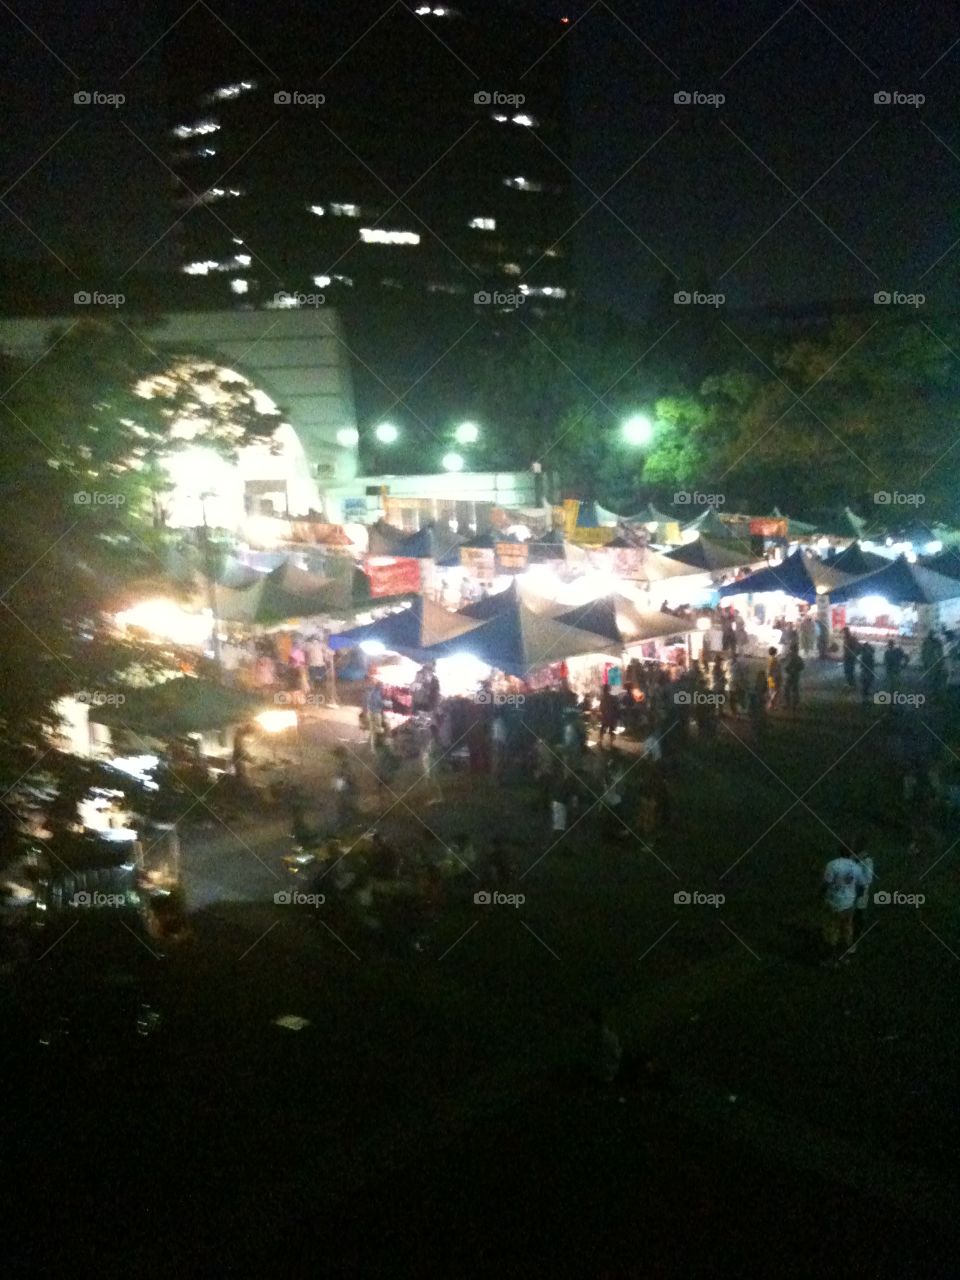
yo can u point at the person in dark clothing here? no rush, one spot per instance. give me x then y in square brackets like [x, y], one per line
[894, 661]
[791, 669]
[851, 649]
[867, 671]
[609, 713]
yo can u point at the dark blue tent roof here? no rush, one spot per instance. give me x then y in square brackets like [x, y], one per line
[599, 616]
[792, 576]
[901, 583]
[489, 606]
[855, 560]
[397, 631]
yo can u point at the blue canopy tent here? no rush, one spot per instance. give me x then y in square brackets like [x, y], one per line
[519, 641]
[901, 583]
[857, 561]
[409, 631]
[803, 577]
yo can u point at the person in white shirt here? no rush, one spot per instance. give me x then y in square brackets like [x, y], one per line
[843, 880]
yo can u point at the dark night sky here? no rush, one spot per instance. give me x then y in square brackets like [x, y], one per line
[799, 98]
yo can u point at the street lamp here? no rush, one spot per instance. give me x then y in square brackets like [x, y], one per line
[467, 433]
[386, 433]
[348, 437]
[453, 462]
[638, 429]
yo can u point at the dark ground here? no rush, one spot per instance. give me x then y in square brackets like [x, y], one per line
[426, 1120]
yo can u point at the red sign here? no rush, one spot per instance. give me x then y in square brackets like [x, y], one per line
[392, 575]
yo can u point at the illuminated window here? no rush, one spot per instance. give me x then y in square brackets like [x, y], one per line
[195, 130]
[501, 119]
[239, 286]
[242, 259]
[483, 224]
[346, 280]
[373, 235]
[523, 184]
[321, 281]
[237, 240]
[345, 210]
[213, 194]
[528, 122]
[227, 91]
[511, 268]
[318, 209]
[542, 291]
[200, 268]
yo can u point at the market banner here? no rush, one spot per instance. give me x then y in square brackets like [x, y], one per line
[392, 575]
[596, 537]
[479, 562]
[512, 557]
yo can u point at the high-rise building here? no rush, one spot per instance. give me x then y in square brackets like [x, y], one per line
[360, 151]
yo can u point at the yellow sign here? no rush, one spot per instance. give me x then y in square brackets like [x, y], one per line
[598, 537]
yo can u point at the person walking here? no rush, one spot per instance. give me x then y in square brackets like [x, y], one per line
[843, 880]
[792, 669]
[894, 661]
[851, 649]
[867, 671]
[774, 677]
[808, 634]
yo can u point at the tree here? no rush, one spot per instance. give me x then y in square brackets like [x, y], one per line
[81, 452]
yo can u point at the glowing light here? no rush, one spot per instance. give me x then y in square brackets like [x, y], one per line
[638, 429]
[200, 268]
[460, 673]
[513, 269]
[322, 281]
[453, 462]
[276, 721]
[374, 235]
[872, 606]
[932, 548]
[372, 648]
[166, 620]
[528, 122]
[345, 210]
[195, 130]
[523, 184]
[240, 286]
[318, 209]
[704, 624]
[242, 259]
[349, 437]
[467, 433]
[501, 119]
[386, 433]
[483, 224]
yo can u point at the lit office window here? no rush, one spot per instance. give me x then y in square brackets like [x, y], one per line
[374, 235]
[483, 224]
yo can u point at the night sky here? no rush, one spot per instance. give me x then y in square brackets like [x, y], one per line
[699, 191]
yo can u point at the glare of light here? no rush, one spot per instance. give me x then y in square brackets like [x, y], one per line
[704, 624]
[527, 121]
[422, 11]
[166, 620]
[453, 462]
[386, 433]
[322, 281]
[638, 429]
[349, 437]
[374, 235]
[467, 433]
[138, 767]
[372, 648]
[501, 119]
[276, 721]
[460, 673]
[318, 209]
[264, 532]
[874, 605]
[242, 259]
[932, 548]
[520, 531]
[239, 285]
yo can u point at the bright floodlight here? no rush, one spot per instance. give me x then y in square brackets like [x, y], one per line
[467, 433]
[453, 462]
[386, 433]
[348, 437]
[638, 429]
